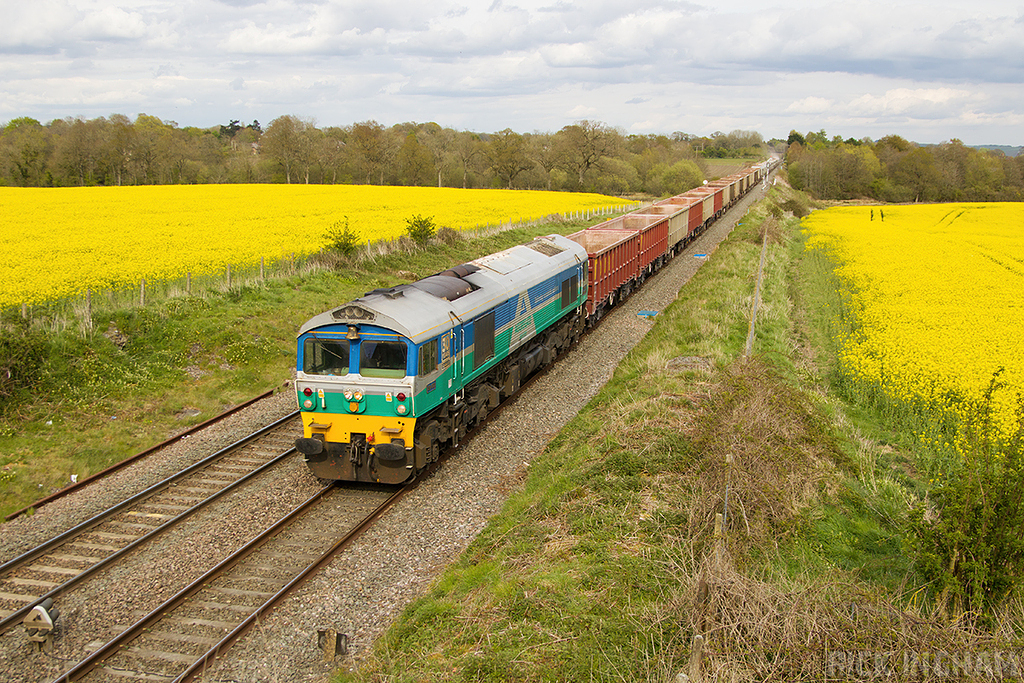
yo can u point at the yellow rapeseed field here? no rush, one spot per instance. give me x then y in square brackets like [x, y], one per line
[58, 242]
[937, 293]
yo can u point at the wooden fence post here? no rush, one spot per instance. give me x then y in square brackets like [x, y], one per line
[696, 652]
[88, 310]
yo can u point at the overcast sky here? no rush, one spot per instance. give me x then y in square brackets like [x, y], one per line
[930, 72]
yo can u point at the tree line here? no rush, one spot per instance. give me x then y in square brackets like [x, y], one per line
[898, 171]
[583, 156]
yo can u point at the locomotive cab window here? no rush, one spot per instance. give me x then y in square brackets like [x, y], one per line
[325, 356]
[428, 358]
[570, 290]
[382, 359]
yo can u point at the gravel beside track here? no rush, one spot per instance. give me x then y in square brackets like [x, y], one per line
[120, 594]
[362, 591]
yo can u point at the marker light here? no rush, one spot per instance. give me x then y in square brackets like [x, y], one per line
[400, 410]
[307, 404]
[400, 397]
[307, 391]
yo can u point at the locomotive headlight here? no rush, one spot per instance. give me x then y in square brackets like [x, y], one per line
[401, 409]
[348, 394]
[307, 404]
[358, 395]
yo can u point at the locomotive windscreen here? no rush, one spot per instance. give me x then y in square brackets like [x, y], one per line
[382, 359]
[325, 356]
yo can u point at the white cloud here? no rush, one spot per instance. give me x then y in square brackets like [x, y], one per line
[810, 105]
[580, 111]
[112, 23]
[921, 103]
[646, 65]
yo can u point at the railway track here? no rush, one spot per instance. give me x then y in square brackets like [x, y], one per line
[71, 558]
[82, 483]
[182, 636]
[177, 639]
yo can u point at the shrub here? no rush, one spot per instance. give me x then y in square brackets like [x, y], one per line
[796, 207]
[969, 545]
[420, 229]
[449, 236]
[342, 239]
[23, 353]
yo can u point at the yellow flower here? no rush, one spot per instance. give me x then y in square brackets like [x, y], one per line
[61, 241]
[937, 293]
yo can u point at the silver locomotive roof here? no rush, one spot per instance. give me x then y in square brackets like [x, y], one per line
[424, 309]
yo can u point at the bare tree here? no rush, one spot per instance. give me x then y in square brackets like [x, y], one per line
[583, 144]
[375, 148]
[507, 153]
[468, 149]
[76, 148]
[288, 141]
[440, 141]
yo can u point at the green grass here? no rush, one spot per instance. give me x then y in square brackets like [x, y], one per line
[593, 571]
[584, 573]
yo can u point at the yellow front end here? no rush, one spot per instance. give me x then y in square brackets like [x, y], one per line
[358, 447]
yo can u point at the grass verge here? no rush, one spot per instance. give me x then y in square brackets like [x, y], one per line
[610, 560]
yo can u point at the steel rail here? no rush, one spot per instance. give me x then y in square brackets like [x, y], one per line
[95, 659]
[200, 664]
[138, 456]
[7, 622]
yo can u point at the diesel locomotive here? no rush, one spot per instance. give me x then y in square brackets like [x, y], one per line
[386, 381]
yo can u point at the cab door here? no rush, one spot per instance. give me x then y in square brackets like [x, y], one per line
[451, 361]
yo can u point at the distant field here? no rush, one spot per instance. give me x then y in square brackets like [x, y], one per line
[61, 241]
[933, 295]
